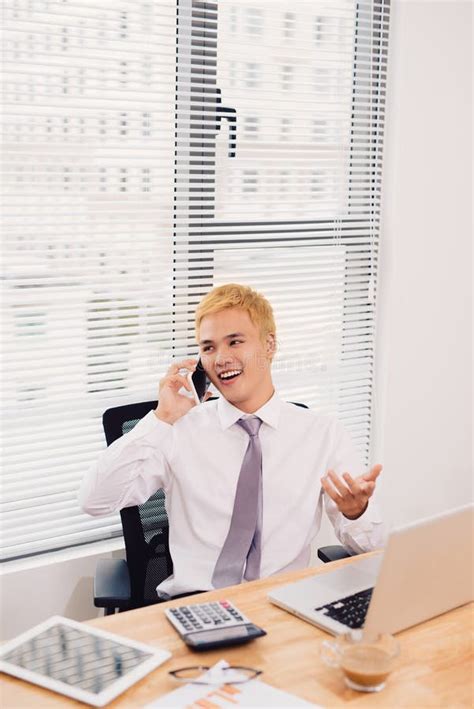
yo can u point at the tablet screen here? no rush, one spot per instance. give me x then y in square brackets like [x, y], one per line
[64, 654]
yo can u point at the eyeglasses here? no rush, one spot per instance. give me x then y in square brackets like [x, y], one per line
[200, 674]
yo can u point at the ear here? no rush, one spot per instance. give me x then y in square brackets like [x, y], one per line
[270, 345]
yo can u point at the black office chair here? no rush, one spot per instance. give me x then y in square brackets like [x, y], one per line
[333, 552]
[125, 584]
[131, 583]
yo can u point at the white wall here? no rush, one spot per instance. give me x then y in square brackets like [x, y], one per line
[52, 584]
[422, 430]
[423, 414]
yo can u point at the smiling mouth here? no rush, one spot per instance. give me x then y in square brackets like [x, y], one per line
[230, 375]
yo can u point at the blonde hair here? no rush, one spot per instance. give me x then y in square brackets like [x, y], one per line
[233, 295]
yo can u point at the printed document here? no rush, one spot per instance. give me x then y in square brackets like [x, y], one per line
[217, 695]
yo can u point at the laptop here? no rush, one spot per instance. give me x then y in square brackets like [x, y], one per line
[425, 570]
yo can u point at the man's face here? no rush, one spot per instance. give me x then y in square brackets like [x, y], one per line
[236, 360]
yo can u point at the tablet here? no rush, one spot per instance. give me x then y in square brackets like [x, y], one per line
[83, 662]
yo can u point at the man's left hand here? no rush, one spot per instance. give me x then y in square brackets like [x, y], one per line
[352, 495]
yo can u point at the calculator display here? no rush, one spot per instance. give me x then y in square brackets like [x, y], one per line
[219, 634]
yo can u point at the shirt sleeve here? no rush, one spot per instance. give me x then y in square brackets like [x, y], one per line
[367, 532]
[130, 470]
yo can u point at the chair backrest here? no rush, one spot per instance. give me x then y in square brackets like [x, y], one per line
[145, 527]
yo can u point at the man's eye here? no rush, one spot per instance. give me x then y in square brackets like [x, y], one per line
[206, 348]
[236, 342]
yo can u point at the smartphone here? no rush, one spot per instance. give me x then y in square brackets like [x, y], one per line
[199, 382]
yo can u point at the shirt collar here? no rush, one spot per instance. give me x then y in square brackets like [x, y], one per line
[229, 414]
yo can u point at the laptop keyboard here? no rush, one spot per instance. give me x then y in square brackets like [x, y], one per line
[351, 610]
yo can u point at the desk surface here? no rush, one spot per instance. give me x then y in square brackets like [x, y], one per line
[434, 668]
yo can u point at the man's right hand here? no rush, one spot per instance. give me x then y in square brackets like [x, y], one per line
[172, 405]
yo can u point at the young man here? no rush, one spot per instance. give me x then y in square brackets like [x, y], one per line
[245, 476]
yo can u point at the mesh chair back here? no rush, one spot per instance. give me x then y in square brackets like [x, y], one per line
[145, 526]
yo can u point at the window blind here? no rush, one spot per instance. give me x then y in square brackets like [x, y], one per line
[280, 112]
[152, 151]
[87, 250]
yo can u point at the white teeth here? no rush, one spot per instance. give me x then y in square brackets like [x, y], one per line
[227, 375]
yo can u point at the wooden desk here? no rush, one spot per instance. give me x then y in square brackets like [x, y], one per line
[434, 668]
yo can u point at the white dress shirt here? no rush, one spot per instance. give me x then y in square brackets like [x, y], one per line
[197, 462]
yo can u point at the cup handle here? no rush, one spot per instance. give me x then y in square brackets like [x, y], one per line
[329, 654]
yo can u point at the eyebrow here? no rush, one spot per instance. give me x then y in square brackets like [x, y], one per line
[227, 337]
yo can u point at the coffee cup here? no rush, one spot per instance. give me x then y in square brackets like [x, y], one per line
[365, 663]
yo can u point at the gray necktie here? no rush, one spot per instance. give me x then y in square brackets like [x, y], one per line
[243, 541]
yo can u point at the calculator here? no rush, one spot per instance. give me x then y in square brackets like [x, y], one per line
[205, 626]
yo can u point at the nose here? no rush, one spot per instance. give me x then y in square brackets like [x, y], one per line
[223, 357]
